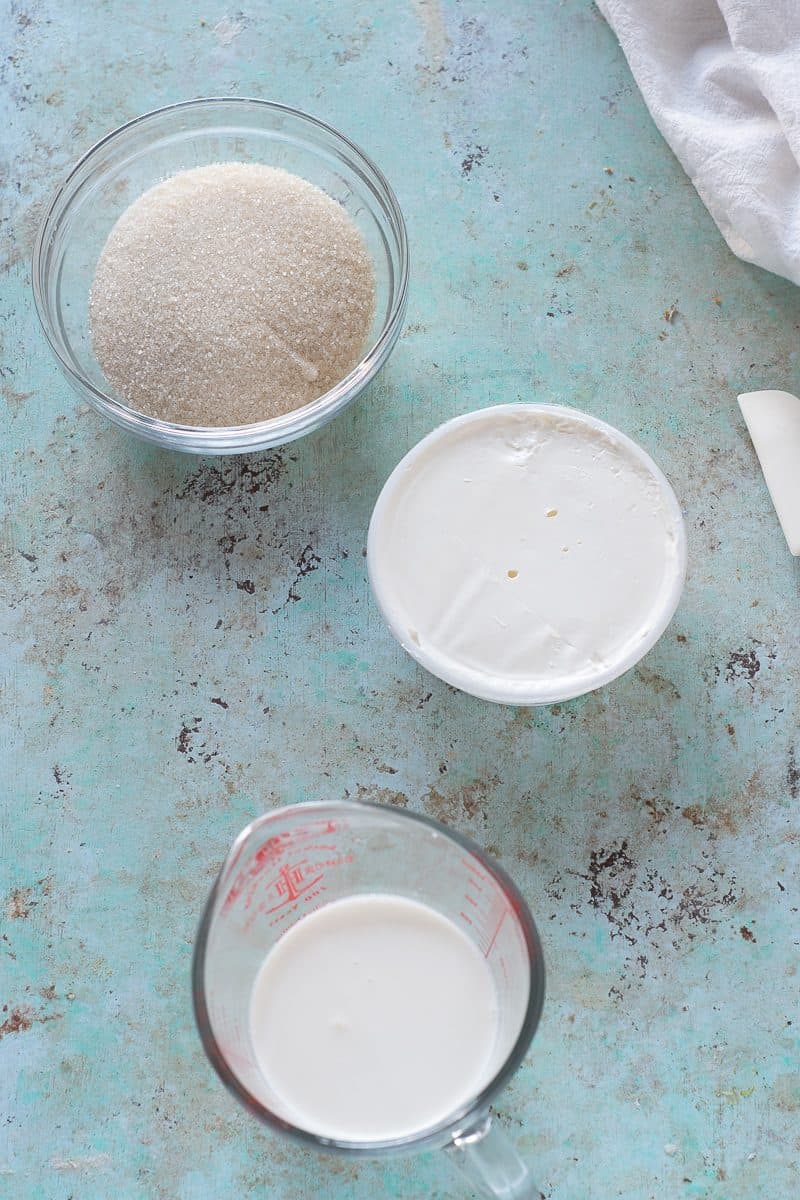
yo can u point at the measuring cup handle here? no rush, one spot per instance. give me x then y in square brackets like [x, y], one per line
[484, 1155]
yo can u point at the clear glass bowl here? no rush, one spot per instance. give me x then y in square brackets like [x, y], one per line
[137, 155]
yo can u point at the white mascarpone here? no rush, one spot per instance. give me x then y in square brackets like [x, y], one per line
[527, 553]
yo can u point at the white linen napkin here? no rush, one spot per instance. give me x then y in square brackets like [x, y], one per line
[722, 81]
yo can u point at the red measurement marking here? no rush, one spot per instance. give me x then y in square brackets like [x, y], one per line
[267, 855]
[291, 882]
[493, 938]
[273, 848]
[282, 916]
[464, 917]
[271, 853]
[474, 869]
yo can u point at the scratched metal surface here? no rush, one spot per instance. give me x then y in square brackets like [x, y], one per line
[187, 642]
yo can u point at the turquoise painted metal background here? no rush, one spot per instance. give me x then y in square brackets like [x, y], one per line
[188, 642]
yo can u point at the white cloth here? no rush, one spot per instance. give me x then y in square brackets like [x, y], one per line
[722, 81]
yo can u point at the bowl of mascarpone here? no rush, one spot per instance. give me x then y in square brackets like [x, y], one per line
[527, 553]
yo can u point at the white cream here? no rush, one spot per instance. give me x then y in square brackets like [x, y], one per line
[373, 1018]
[527, 553]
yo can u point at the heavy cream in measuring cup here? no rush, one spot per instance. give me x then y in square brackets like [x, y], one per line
[373, 1018]
[527, 553]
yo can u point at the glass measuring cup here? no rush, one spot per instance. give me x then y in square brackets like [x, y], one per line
[293, 861]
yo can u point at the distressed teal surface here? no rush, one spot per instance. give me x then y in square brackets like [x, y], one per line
[188, 642]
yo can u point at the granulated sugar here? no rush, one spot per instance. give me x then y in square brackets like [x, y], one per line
[229, 294]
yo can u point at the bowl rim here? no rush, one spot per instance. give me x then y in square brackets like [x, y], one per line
[506, 690]
[260, 434]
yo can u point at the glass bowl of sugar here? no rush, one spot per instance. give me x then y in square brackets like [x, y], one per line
[222, 275]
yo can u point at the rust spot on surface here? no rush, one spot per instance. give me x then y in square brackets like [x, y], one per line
[19, 903]
[472, 797]
[184, 742]
[13, 398]
[610, 875]
[307, 561]
[211, 484]
[658, 814]
[555, 888]
[793, 774]
[381, 795]
[23, 1017]
[726, 818]
[652, 912]
[698, 902]
[659, 684]
[227, 544]
[19, 1020]
[467, 801]
[747, 934]
[742, 664]
[113, 593]
[218, 700]
[473, 158]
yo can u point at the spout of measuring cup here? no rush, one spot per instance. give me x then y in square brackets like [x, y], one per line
[484, 1156]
